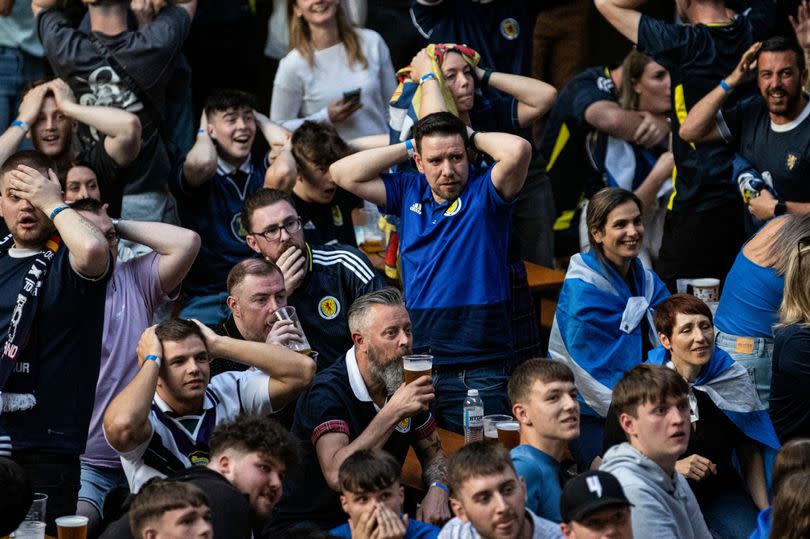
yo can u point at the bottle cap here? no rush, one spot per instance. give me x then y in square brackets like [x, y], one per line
[472, 392]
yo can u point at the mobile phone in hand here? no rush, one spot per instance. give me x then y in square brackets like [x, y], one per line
[352, 95]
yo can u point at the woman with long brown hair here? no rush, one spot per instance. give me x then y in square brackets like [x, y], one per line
[333, 73]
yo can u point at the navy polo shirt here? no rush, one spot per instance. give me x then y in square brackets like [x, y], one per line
[454, 268]
[337, 401]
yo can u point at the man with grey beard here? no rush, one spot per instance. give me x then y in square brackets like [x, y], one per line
[361, 402]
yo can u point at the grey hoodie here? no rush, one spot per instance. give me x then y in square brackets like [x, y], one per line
[663, 506]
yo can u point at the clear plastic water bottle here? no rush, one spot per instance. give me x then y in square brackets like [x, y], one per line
[473, 417]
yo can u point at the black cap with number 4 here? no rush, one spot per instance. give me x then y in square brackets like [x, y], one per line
[589, 492]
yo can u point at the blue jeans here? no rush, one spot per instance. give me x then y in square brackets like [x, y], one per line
[17, 69]
[97, 482]
[451, 385]
[730, 514]
[757, 362]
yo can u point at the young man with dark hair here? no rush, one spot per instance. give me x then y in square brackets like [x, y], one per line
[360, 402]
[54, 266]
[593, 506]
[653, 410]
[249, 457]
[171, 510]
[544, 401]
[161, 422]
[454, 218]
[138, 286]
[321, 281]
[49, 115]
[488, 497]
[704, 226]
[219, 173]
[764, 129]
[372, 496]
[302, 168]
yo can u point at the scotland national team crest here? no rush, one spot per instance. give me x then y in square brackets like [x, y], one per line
[454, 208]
[237, 229]
[199, 458]
[791, 161]
[510, 29]
[404, 426]
[329, 307]
[337, 216]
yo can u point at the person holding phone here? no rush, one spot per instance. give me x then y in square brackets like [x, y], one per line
[335, 73]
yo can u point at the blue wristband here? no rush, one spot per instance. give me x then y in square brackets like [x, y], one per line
[409, 147]
[152, 357]
[57, 210]
[22, 125]
[426, 77]
[726, 88]
[439, 485]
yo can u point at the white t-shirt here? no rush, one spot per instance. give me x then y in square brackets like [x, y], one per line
[303, 92]
[228, 395]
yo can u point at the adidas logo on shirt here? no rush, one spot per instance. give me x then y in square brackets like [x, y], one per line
[416, 208]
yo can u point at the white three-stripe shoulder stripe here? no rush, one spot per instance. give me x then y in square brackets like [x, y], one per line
[350, 260]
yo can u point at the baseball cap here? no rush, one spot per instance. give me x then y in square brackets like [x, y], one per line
[589, 492]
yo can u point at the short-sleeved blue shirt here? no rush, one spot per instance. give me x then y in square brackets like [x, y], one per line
[542, 475]
[454, 268]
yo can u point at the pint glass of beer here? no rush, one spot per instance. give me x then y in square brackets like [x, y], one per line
[490, 430]
[417, 365]
[288, 313]
[72, 527]
[508, 433]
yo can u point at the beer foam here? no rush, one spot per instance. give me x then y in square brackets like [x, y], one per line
[507, 425]
[418, 365]
[72, 521]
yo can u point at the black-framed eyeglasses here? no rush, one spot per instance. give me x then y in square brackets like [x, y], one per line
[273, 232]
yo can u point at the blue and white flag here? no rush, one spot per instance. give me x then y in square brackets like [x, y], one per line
[727, 383]
[596, 329]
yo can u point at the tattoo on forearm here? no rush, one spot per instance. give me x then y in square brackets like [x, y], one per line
[435, 470]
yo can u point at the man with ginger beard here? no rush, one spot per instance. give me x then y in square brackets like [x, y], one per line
[361, 402]
[321, 281]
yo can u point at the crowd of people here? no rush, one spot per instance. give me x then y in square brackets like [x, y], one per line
[196, 342]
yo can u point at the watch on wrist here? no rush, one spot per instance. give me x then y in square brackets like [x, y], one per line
[780, 208]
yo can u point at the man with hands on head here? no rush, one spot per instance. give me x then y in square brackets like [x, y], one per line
[49, 114]
[160, 423]
[455, 217]
[219, 173]
[769, 130]
[54, 267]
[138, 286]
[361, 402]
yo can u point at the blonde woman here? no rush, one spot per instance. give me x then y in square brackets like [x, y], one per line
[790, 377]
[334, 73]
